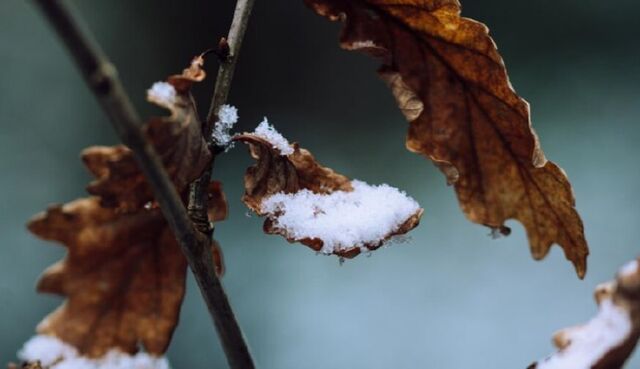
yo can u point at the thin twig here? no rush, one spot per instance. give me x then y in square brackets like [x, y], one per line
[198, 190]
[102, 78]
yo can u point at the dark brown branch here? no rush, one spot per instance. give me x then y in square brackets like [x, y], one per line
[198, 189]
[102, 78]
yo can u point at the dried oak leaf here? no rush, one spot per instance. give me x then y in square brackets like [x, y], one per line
[607, 341]
[300, 181]
[177, 139]
[124, 275]
[451, 84]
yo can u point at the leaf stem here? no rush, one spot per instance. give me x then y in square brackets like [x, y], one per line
[198, 190]
[101, 76]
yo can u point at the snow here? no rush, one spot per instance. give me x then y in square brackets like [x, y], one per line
[55, 354]
[361, 44]
[591, 342]
[162, 93]
[46, 349]
[227, 118]
[277, 141]
[342, 220]
[356, 45]
[630, 268]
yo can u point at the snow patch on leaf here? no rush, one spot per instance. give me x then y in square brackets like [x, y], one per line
[630, 268]
[360, 44]
[227, 118]
[52, 353]
[163, 94]
[46, 349]
[267, 132]
[308, 203]
[607, 340]
[342, 220]
[592, 341]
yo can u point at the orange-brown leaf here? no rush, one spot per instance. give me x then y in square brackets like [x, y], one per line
[451, 84]
[123, 276]
[275, 173]
[177, 139]
[124, 273]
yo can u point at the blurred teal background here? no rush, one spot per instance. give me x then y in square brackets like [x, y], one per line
[451, 298]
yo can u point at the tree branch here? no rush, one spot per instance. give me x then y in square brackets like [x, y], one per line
[198, 190]
[102, 78]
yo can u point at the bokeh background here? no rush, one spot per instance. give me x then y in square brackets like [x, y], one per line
[450, 298]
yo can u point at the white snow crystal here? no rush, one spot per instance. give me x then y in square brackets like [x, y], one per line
[267, 132]
[162, 93]
[592, 341]
[55, 354]
[342, 220]
[227, 118]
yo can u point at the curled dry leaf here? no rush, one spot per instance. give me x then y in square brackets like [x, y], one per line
[177, 138]
[308, 203]
[451, 84]
[607, 341]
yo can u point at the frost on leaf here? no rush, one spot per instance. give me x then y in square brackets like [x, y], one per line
[451, 85]
[311, 204]
[607, 340]
[45, 352]
[177, 139]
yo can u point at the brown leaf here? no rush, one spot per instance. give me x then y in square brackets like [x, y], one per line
[607, 341]
[124, 277]
[275, 173]
[451, 84]
[177, 138]
[124, 272]
[218, 208]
